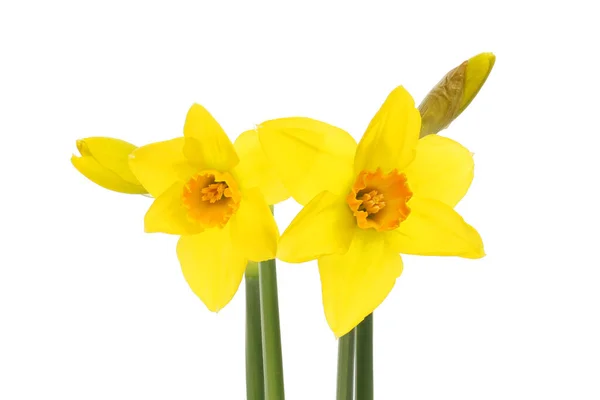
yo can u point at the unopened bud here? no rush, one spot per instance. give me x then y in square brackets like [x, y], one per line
[105, 161]
[451, 96]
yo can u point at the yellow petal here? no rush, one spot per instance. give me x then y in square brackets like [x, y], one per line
[212, 266]
[159, 165]
[96, 173]
[253, 229]
[254, 170]
[206, 144]
[442, 170]
[309, 156]
[391, 138]
[356, 283]
[478, 70]
[167, 214]
[110, 153]
[324, 226]
[435, 229]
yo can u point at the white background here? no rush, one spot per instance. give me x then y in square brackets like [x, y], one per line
[93, 308]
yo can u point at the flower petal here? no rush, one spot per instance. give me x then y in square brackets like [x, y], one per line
[96, 173]
[354, 284]
[212, 266]
[435, 229]
[324, 226]
[254, 170]
[391, 138]
[254, 232]
[309, 156]
[167, 214]
[206, 144]
[159, 165]
[442, 170]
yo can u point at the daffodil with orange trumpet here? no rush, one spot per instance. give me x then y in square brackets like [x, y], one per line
[210, 196]
[367, 203]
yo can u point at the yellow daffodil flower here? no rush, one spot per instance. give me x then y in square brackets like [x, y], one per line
[105, 161]
[451, 96]
[365, 204]
[209, 191]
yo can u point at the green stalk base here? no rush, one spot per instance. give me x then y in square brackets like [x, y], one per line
[364, 359]
[345, 371]
[271, 336]
[254, 358]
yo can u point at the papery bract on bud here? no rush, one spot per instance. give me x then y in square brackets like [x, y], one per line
[105, 161]
[451, 96]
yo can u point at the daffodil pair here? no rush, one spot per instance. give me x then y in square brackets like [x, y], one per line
[364, 203]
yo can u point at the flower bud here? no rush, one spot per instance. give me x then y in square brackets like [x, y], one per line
[105, 161]
[448, 99]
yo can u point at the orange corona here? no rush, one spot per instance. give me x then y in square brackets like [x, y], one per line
[379, 200]
[211, 198]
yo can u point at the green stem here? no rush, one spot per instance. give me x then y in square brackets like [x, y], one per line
[255, 389]
[345, 377]
[271, 336]
[364, 359]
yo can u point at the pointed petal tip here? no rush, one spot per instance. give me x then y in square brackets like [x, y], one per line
[82, 147]
[213, 308]
[343, 329]
[476, 254]
[147, 228]
[195, 110]
[478, 250]
[402, 91]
